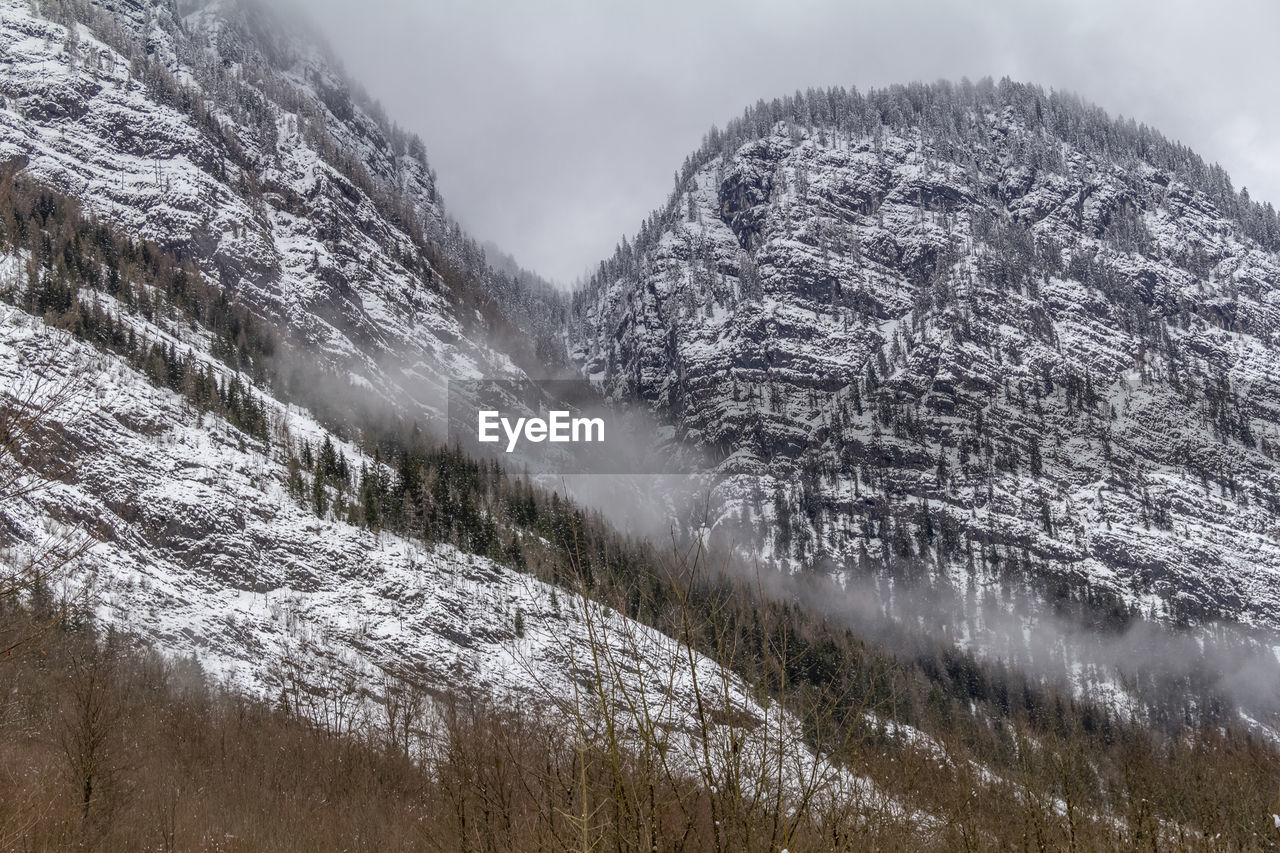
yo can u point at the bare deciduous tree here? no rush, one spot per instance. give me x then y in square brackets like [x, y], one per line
[90, 719]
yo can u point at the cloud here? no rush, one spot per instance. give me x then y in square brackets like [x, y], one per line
[555, 127]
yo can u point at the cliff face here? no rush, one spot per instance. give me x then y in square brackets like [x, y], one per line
[978, 328]
[235, 142]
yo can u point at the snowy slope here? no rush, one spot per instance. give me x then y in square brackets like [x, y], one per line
[196, 547]
[230, 140]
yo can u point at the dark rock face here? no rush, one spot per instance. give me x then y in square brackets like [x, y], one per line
[984, 310]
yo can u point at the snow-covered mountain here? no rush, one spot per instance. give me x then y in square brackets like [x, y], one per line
[232, 139]
[954, 346]
[979, 328]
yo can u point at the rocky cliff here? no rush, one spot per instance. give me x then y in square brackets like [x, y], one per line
[978, 328]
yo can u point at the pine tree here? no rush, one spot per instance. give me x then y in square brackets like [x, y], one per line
[319, 497]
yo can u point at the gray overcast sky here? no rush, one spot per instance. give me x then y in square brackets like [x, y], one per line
[555, 125]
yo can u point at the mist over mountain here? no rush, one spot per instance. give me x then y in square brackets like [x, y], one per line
[979, 384]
